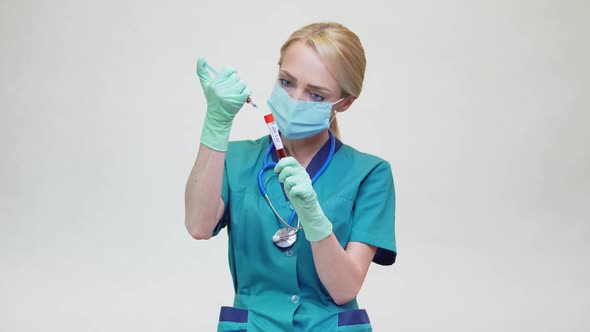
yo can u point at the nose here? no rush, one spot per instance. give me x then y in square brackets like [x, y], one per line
[297, 94]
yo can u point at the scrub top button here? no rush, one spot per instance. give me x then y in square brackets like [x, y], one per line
[289, 253]
[294, 299]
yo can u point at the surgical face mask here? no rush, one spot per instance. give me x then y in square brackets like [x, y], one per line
[299, 119]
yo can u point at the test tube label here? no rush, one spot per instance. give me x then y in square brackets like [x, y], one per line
[274, 134]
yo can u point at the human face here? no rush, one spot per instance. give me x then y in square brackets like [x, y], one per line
[304, 76]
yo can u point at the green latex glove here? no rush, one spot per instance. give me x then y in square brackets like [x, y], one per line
[304, 199]
[226, 94]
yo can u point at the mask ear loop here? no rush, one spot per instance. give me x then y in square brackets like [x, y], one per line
[333, 117]
[334, 110]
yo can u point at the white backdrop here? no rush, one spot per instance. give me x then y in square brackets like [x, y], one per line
[481, 107]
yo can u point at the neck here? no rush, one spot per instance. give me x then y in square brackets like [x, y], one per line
[303, 150]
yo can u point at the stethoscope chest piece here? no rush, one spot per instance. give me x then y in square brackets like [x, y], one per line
[285, 237]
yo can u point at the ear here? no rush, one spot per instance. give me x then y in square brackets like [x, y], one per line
[344, 104]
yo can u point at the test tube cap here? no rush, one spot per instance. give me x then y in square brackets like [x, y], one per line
[269, 118]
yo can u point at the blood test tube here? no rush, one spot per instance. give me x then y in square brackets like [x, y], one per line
[274, 134]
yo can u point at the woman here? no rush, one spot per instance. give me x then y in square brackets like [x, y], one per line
[298, 259]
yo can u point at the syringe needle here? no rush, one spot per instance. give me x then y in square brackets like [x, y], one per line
[251, 102]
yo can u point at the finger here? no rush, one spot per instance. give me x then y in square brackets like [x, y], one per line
[295, 178]
[289, 182]
[229, 81]
[302, 184]
[247, 92]
[299, 195]
[287, 188]
[202, 71]
[301, 177]
[297, 191]
[235, 92]
[286, 173]
[283, 163]
[226, 72]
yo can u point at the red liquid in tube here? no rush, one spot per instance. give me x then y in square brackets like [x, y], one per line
[274, 134]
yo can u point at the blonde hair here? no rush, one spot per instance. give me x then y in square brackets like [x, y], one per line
[341, 49]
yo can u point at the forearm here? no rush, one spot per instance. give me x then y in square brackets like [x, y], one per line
[341, 271]
[203, 203]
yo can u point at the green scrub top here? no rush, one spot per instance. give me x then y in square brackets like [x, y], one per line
[279, 289]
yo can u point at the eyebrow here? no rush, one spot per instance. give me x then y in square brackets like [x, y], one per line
[315, 87]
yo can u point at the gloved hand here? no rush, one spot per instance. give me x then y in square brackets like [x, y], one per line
[300, 191]
[226, 94]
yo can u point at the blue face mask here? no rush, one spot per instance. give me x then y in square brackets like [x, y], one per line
[299, 119]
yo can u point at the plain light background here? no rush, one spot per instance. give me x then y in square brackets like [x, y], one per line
[481, 107]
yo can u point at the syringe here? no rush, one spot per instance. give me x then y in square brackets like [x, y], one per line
[269, 119]
[249, 100]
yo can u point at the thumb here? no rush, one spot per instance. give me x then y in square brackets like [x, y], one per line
[202, 71]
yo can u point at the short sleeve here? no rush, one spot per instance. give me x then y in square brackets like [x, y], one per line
[374, 214]
[224, 221]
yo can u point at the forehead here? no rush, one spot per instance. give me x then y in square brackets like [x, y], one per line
[306, 66]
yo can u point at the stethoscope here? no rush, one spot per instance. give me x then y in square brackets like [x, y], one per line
[285, 237]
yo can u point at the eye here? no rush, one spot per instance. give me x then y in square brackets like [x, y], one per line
[285, 82]
[316, 97]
